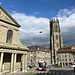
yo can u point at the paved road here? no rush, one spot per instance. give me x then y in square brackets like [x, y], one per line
[51, 71]
[54, 71]
[61, 72]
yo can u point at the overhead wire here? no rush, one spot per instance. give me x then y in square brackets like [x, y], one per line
[33, 34]
[40, 42]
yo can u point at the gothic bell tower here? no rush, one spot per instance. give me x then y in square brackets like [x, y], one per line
[55, 40]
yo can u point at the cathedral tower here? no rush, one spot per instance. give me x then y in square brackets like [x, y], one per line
[55, 40]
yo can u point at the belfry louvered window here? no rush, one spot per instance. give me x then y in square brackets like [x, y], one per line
[9, 36]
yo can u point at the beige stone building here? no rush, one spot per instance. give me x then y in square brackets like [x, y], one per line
[66, 56]
[13, 54]
[38, 53]
[55, 40]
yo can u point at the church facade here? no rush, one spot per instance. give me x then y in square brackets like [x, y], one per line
[13, 54]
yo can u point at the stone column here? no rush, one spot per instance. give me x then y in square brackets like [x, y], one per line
[1, 61]
[15, 56]
[65, 64]
[12, 62]
[62, 64]
[25, 62]
[68, 65]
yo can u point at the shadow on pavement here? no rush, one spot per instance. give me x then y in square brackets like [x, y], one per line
[61, 72]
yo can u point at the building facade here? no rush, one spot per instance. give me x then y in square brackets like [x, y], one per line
[55, 40]
[38, 53]
[66, 56]
[13, 54]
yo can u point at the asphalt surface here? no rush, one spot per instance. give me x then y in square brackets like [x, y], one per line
[54, 71]
[50, 71]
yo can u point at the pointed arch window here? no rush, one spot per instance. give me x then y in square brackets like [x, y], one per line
[9, 36]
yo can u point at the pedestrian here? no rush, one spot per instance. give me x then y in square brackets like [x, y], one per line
[21, 67]
[30, 66]
[74, 69]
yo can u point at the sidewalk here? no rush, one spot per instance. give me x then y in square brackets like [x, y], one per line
[20, 72]
[32, 69]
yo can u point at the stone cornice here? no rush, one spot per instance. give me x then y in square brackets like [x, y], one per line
[13, 48]
[8, 23]
[9, 28]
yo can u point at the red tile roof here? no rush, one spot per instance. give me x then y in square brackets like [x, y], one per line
[40, 48]
[67, 49]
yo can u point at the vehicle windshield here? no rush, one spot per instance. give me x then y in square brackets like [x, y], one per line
[42, 65]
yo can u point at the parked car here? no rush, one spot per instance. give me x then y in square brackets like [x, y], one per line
[30, 66]
[73, 65]
[50, 66]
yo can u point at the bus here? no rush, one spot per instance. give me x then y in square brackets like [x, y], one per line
[42, 65]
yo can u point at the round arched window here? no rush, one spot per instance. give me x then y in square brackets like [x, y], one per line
[9, 36]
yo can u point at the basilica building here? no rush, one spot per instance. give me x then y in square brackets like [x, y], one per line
[13, 54]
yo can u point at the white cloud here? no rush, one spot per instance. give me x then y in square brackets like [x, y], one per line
[30, 28]
[66, 12]
[67, 23]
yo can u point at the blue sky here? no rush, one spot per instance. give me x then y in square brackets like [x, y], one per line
[38, 8]
[34, 15]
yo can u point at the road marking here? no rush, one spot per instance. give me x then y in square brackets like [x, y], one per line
[53, 72]
[47, 72]
[43, 72]
[39, 72]
[57, 73]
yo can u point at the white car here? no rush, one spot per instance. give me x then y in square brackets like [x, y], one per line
[73, 65]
